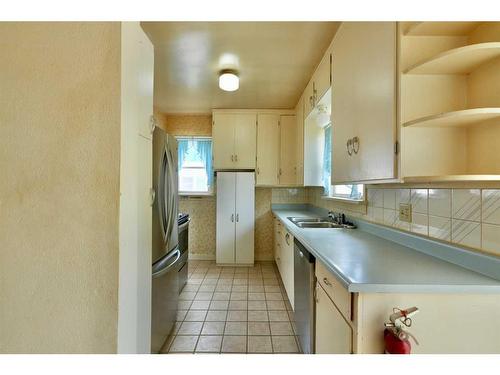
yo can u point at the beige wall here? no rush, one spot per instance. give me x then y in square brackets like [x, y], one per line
[59, 186]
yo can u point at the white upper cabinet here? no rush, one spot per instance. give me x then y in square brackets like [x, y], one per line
[299, 142]
[268, 140]
[245, 138]
[323, 76]
[234, 140]
[288, 143]
[364, 102]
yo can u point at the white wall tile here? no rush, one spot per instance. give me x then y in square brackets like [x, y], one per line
[376, 214]
[491, 206]
[375, 197]
[466, 204]
[440, 202]
[419, 200]
[420, 223]
[402, 196]
[389, 217]
[440, 228]
[491, 238]
[390, 198]
[466, 233]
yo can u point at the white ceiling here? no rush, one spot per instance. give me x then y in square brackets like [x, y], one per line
[274, 59]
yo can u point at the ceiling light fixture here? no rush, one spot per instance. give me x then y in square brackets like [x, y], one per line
[229, 80]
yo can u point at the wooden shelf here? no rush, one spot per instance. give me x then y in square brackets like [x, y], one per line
[440, 28]
[466, 117]
[462, 60]
[453, 178]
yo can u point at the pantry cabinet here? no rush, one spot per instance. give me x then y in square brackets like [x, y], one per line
[235, 217]
[364, 101]
[234, 138]
[333, 333]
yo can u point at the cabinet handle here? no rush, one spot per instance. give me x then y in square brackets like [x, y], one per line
[152, 196]
[355, 145]
[237, 218]
[349, 146]
[232, 218]
[152, 123]
[235, 157]
[325, 280]
[287, 237]
[280, 172]
[232, 157]
[258, 170]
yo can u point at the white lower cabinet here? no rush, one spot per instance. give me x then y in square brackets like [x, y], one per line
[333, 333]
[235, 217]
[283, 255]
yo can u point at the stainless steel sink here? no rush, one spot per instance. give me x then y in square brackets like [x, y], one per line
[296, 220]
[319, 224]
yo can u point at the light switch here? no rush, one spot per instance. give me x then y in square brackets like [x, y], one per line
[405, 212]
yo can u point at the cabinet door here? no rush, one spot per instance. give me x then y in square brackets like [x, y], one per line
[333, 334]
[245, 217]
[288, 142]
[226, 202]
[364, 101]
[245, 138]
[322, 77]
[288, 267]
[223, 140]
[268, 142]
[299, 148]
[308, 98]
[277, 243]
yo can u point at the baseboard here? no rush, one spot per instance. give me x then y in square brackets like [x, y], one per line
[201, 256]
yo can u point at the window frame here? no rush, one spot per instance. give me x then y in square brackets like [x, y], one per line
[210, 191]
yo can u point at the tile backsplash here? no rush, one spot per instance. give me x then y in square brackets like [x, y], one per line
[469, 217]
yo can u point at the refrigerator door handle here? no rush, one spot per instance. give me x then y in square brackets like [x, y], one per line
[165, 268]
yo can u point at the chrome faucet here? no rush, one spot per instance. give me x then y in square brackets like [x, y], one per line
[336, 217]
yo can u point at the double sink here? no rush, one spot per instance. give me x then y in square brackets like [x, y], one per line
[320, 222]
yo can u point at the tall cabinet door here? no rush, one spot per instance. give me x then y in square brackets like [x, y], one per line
[288, 137]
[225, 233]
[245, 217]
[299, 148]
[268, 139]
[245, 138]
[223, 140]
[364, 101]
[333, 333]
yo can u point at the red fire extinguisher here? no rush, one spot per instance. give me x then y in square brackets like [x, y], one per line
[396, 339]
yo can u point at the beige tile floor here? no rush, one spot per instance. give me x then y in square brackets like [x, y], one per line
[233, 310]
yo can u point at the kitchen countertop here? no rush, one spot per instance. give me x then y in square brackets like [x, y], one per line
[365, 262]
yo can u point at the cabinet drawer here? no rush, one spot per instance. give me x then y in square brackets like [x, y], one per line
[335, 290]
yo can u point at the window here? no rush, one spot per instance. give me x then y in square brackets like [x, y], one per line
[348, 192]
[195, 165]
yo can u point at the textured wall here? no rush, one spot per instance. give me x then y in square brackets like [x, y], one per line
[59, 186]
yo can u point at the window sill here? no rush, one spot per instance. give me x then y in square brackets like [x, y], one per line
[345, 200]
[194, 194]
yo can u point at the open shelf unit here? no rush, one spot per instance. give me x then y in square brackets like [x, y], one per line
[466, 117]
[450, 101]
[439, 28]
[462, 60]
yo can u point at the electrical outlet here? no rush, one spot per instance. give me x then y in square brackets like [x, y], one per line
[405, 212]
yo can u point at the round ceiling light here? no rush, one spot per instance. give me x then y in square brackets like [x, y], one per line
[229, 80]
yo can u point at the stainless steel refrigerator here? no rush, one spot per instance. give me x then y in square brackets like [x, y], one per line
[166, 253]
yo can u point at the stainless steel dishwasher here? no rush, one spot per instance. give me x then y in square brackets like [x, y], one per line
[304, 280]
